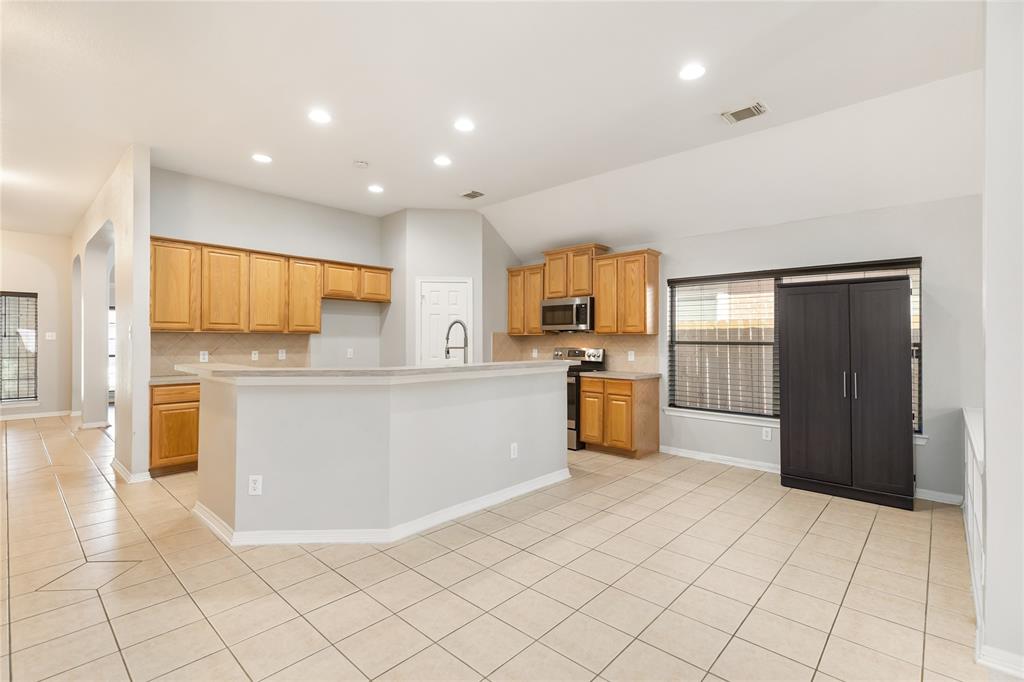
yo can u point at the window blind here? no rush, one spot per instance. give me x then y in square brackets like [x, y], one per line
[722, 343]
[18, 350]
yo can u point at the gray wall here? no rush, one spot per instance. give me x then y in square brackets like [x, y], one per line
[946, 234]
[38, 263]
[497, 256]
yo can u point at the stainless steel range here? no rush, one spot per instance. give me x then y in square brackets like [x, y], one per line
[590, 360]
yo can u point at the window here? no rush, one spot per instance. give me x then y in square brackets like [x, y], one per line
[111, 350]
[18, 326]
[722, 353]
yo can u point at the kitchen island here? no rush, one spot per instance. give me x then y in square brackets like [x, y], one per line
[371, 455]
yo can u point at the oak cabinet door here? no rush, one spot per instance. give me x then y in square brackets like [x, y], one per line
[533, 296]
[606, 298]
[174, 286]
[632, 295]
[304, 289]
[268, 293]
[341, 281]
[516, 303]
[374, 284]
[591, 417]
[556, 275]
[580, 270]
[175, 434]
[225, 290]
[618, 421]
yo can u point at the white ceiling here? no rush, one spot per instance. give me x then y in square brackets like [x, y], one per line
[559, 91]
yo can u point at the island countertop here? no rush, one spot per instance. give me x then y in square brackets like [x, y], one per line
[319, 376]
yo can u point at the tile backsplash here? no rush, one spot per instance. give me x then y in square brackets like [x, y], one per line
[171, 348]
[505, 348]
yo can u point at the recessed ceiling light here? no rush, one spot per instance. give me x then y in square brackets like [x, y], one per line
[465, 125]
[692, 71]
[376, 189]
[361, 164]
[320, 116]
[261, 158]
[442, 160]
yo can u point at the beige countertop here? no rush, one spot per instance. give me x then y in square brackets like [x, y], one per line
[627, 376]
[172, 380]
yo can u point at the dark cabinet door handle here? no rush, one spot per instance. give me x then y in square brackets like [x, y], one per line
[855, 396]
[844, 383]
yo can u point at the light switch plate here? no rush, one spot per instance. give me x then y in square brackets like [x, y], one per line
[631, 355]
[256, 485]
[534, 353]
[255, 355]
[350, 353]
[766, 433]
[51, 336]
[281, 354]
[204, 356]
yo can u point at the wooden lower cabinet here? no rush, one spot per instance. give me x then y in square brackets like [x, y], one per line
[620, 415]
[173, 427]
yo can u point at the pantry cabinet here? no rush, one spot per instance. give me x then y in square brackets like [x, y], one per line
[304, 291]
[620, 415]
[525, 294]
[174, 427]
[568, 272]
[225, 290]
[174, 282]
[268, 293]
[626, 293]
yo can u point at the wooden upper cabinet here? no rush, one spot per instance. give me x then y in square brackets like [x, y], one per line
[606, 298]
[533, 296]
[341, 281]
[374, 284]
[174, 286]
[516, 302]
[556, 275]
[268, 293]
[225, 290]
[581, 267]
[304, 292]
[634, 294]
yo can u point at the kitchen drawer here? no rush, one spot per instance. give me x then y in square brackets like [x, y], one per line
[175, 393]
[618, 387]
[592, 385]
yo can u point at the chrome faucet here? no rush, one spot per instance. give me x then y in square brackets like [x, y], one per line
[464, 348]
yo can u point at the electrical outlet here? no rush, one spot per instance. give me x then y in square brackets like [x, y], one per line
[204, 356]
[534, 354]
[255, 355]
[256, 485]
[281, 354]
[766, 433]
[631, 355]
[51, 336]
[350, 353]
[514, 451]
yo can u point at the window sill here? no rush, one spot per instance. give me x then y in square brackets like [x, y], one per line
[747, 420]
[19, 403]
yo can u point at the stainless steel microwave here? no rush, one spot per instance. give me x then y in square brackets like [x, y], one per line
[567, 314]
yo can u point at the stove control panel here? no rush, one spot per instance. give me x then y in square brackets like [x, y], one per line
[589, 354]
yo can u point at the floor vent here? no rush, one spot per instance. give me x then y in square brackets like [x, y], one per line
[755, 109]
[472, 194]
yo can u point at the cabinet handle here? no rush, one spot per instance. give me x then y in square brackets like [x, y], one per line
[844, 383]
[855, 397]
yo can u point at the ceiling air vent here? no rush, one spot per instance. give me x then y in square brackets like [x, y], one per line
[755, 109]
[472, 194]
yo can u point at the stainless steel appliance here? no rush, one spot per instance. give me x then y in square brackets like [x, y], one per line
[590, 360]
[567, 314]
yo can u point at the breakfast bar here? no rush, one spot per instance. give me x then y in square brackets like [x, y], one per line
[305, 455]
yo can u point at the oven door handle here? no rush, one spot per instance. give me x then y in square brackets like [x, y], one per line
[570, 380]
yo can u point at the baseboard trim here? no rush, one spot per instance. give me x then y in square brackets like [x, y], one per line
[372, 535]
[937, 496]
[31, 415]
[721, 459]
[128, 477]
[1001, 660]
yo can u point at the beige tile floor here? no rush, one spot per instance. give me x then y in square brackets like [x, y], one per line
[665, 568]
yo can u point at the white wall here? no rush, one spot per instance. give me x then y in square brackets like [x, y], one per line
[945, 234]
[1001, 622]
[497, 256]
[40, 264]
[393, 317]
[188, 207]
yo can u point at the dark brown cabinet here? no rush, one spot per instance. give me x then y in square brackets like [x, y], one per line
[845, 389]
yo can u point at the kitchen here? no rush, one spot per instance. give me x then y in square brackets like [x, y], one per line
[510, 341]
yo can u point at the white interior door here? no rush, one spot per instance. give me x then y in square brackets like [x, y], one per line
[441, 303]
